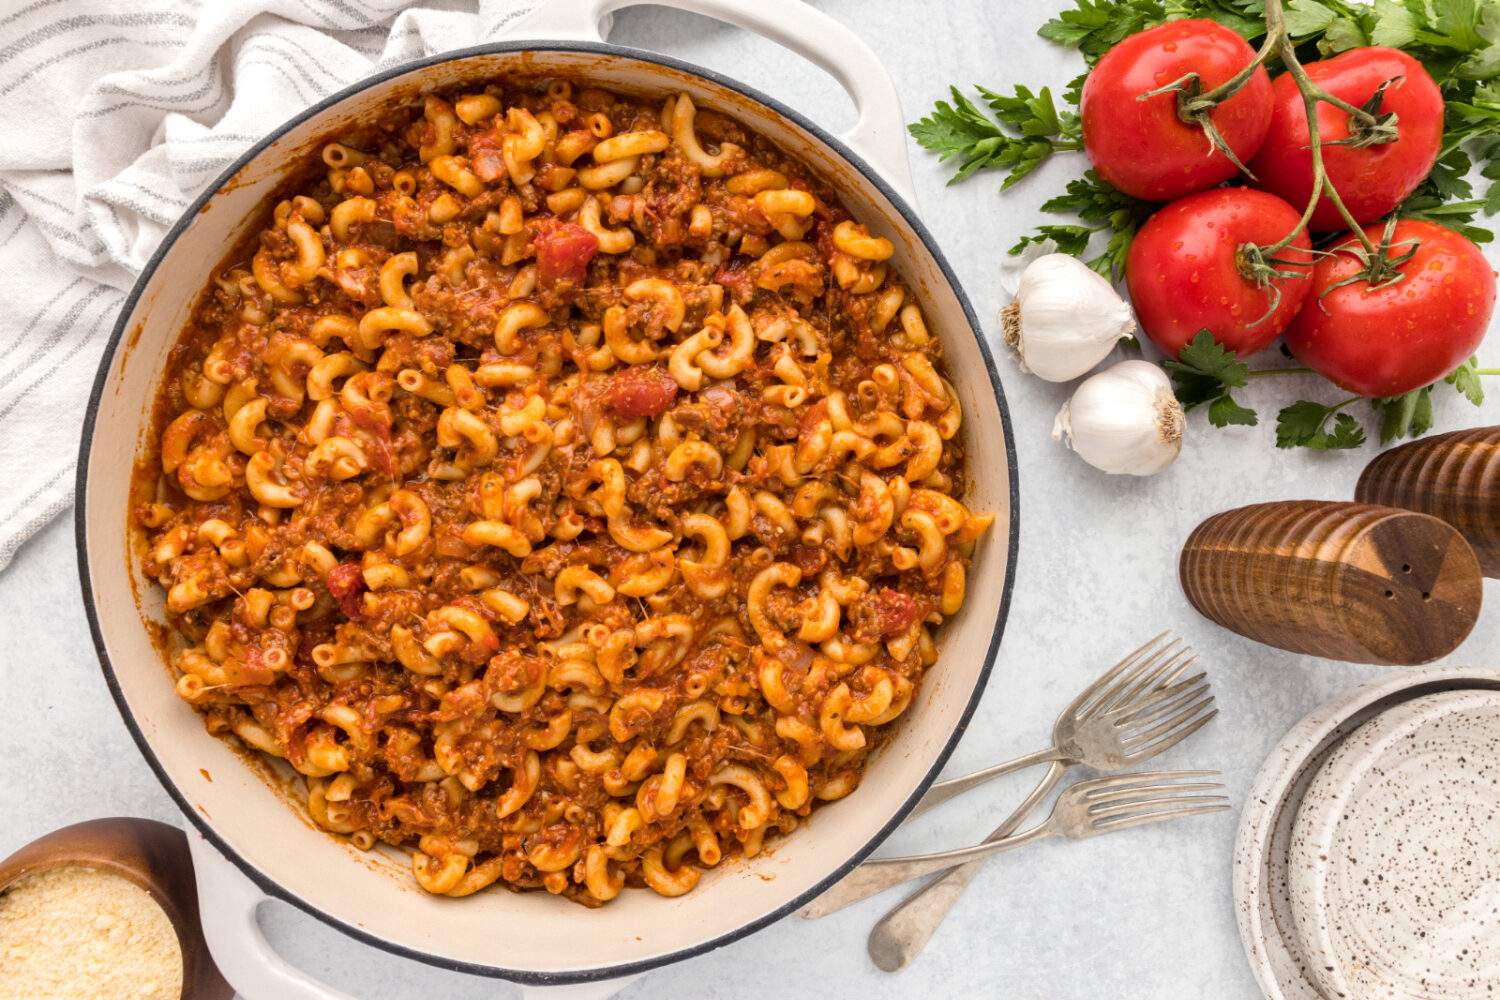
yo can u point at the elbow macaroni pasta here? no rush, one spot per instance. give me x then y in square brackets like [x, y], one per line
[566, 487]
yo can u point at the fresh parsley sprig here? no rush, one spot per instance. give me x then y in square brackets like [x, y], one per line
[1094, 26]
[1205, 373]
[1465, 380]
[1102, 209]
[1025, 129]
[1410, 414]
[1304, 424]
[1406, 415]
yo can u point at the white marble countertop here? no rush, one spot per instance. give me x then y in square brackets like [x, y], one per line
[1144, 914]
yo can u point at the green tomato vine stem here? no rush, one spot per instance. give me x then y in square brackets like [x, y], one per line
[1231, 86]
[1311, 95]
[1274, 372]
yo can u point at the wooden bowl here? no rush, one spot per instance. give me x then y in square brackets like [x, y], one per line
[152, 855]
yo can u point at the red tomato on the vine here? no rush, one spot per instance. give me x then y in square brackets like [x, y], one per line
[1190, 269]
[1143, 147]
[1372, 180]
[1385, 341]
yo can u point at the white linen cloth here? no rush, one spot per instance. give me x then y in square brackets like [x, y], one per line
[113, 117]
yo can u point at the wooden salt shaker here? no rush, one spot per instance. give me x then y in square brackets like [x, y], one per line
[1346, 581]
[1454, 476]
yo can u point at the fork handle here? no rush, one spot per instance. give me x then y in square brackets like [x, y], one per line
[902, 933]
[876, 876]
[945, 790]
[882, 873]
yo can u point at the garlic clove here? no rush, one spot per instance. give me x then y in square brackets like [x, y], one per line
[1065, 318]
[1124, 420]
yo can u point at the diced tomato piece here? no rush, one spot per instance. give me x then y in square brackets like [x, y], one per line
[408, 217]
[563, 253]
[810, 559]
[345, 583]
[378, 425]
[485, 156]
[735, 277]
[640, 392]
[812, 416]
[894, 611]
[253, 669]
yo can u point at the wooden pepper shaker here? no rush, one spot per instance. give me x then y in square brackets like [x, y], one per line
[1454, 476]
[1347, 581]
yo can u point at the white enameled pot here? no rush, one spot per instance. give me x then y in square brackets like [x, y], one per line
[531, 938]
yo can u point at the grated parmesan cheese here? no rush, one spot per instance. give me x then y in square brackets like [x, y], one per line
[78, 933]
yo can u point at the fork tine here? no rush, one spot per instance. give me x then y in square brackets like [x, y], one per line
[1106, 695]
[1170, 685]
[1171, 739]
[1135, 728]
[1144, 795]
[1155, 704]
[1160, 679]
[1134, 778]
[1111, 825]
[1166, 726]
[1176, 803]
[1164, 784]
[1108, 678]
[1133, 723]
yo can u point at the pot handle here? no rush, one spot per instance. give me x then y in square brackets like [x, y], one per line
[879, 134]
[227, 904]
[602, 990]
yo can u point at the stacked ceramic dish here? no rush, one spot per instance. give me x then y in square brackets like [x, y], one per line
[1367, 865]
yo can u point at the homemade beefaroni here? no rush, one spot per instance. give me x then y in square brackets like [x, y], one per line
[564, 485]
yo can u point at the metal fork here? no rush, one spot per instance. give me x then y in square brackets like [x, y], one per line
[1118, 739]
[1087, 809]
[1144, 672]
[905, 930]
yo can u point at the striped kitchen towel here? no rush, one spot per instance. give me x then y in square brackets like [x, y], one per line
[113, 117]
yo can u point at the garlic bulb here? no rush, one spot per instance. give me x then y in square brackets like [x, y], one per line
[1065, 318]
[1124, 420]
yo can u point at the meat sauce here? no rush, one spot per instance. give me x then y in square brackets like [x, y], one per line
[565, 485]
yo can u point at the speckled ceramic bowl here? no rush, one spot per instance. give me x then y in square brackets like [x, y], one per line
[1395, 854]
[1261, 882]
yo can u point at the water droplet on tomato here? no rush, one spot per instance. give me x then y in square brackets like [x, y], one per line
[1194, 277]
